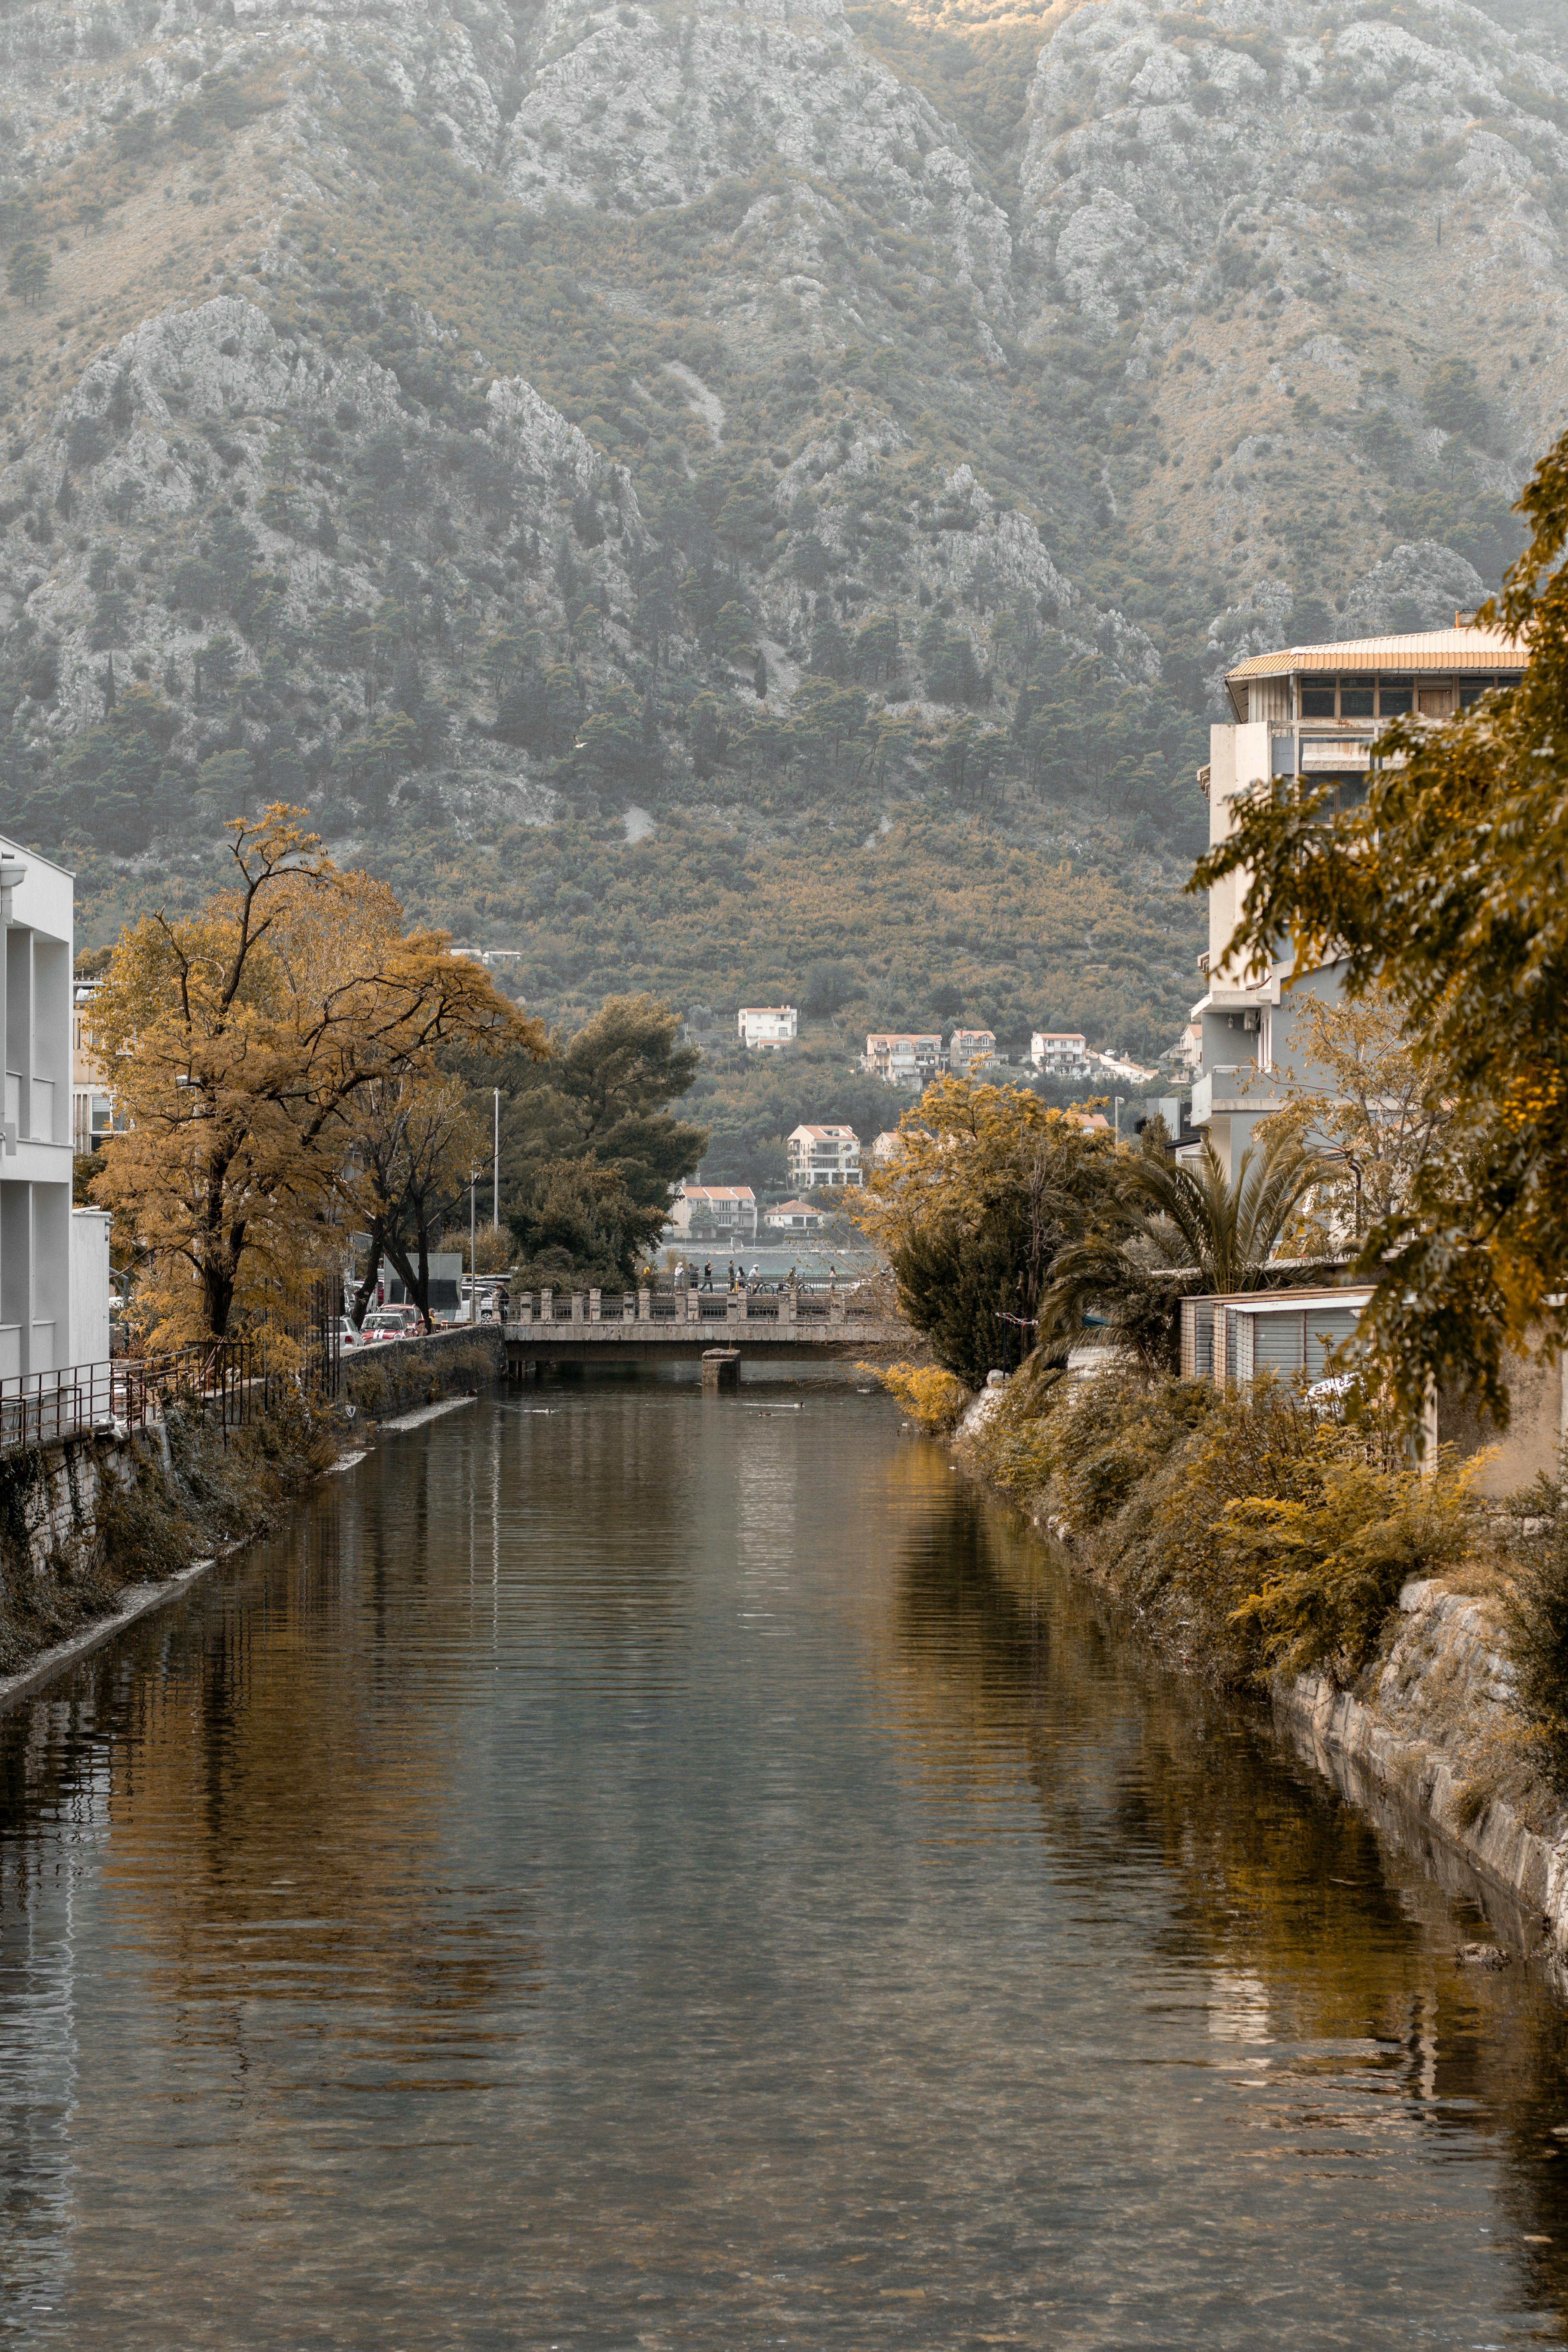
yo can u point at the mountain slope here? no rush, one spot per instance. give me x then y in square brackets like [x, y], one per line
[687, 491]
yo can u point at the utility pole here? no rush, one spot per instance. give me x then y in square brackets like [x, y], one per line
[495, 1178]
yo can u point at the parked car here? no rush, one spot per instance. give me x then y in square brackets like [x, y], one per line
[391, 1323]
[349, 1333]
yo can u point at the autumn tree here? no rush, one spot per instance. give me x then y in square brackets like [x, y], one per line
[972, 1212]
[241, 1040]
[1443, 887]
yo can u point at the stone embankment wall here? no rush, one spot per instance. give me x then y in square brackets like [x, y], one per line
[382, 1381]
[1428, 1741]
[1430, 1731]
[95, 1529]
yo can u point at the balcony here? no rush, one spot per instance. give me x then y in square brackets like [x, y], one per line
[1335, 753]
[1235, 1087]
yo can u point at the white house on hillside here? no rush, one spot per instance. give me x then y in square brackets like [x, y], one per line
[1059, 1053]
[721, 1212]
[770, 1026]
[794, 1217]
[904, 1057]
[36, 1243]
[822, 1155]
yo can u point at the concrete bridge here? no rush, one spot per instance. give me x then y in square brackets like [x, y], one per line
[594, 1327]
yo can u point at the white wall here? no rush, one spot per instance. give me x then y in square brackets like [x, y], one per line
[36, 1156]
[90, 1287]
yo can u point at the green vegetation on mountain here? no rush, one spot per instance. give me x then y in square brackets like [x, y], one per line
[502, 430]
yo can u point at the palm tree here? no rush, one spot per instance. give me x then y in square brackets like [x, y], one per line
[1181, 1228]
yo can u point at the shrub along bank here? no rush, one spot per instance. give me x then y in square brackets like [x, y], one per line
[1254, 1533]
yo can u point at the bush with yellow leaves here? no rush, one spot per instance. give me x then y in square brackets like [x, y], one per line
[932, 1398]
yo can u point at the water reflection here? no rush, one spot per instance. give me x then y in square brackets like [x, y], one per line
[658, 1872]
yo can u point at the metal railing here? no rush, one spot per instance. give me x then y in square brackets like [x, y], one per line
[226, 1380]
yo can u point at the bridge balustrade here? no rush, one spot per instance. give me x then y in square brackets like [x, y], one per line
[557, 1309]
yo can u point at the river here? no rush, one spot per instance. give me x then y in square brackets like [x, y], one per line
[633, 1871]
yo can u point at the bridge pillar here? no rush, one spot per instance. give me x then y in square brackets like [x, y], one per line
[576, 1306]
[645, 1307]
[595, 1307]
[547, 1307]
[720, 1371]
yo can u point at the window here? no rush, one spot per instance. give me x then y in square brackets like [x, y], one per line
[1318, 699]
[1356, 698]
[1394, 697]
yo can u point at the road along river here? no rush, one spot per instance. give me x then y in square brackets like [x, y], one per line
[630, 1871]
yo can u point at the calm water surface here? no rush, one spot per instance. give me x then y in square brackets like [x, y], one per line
[658, 1873]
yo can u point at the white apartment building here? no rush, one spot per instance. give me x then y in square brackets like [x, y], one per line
[767, 1025]
[969, 1049]
[1311, 711]
[36, 1238]
[822, 1155]
[714, 1213]
[1059, 1053]
[904, 1057]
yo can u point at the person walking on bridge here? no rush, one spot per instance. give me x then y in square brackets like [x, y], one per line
[707, 1274]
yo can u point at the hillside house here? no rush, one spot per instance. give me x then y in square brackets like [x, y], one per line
[970, 1049]
[767, 1027]
[794, 1217]
[714, 1213]
[92, 1105]
[903, 1057]
[822, 1155]
[1060, 1053]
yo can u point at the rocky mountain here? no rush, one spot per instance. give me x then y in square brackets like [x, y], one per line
[690, 491]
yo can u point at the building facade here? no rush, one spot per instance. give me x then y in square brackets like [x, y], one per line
[36, 1244]
[1060, 1053]
[822, 1155]
[970, 1049]
[904, 1057]
[93, 1114]
[794, 1217]
[767, 1027]
[1311, 712]
[714, 1213]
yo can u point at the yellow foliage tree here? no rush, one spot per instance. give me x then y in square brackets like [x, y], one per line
[988, 1186]
[241, 1040]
